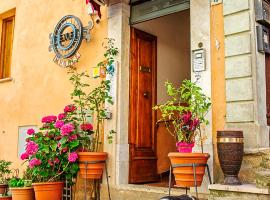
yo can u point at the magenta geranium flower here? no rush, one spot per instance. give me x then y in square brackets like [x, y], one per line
[70, 108]
[67, 129]
[31, 148]
[64, 150]
[186, 117]
[72, 137]
[24, 156]
[72, 157]
[49, 119]
[86, 127]
[59, 124]
[56, 161]
[34, 162]
[61, 116]
[30, 131]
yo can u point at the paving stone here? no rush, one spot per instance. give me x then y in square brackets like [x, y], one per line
[263, 178]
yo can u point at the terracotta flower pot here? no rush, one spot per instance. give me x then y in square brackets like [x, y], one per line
[3, 188]
[25, 193]
[95, 170]
[184, 175]
[6, 198]
[183, 147]
[48, 190]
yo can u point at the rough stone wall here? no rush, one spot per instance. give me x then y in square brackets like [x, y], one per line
[243, 110]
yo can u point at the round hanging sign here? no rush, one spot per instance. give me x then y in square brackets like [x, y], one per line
[66, 39]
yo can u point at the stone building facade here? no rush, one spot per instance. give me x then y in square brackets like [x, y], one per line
[234, 78]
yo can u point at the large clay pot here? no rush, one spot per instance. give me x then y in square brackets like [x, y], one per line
[230, 145]
[183, 147]
[95, 170]
[48, 190]
[184, 176]
[26, 193]
[6, 198]
[3, 188]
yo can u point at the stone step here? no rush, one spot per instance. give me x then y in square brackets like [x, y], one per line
[254, 160]
[238, 192]
[142, 192]
[263, 178]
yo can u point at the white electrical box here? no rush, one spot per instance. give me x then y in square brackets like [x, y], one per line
[198, 60]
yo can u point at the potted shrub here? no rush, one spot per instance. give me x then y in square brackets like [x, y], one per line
[184, 113]
[5, 171]
[65, 142]
[51, 155]
[5, 197]
[89, 105]
[21, 189]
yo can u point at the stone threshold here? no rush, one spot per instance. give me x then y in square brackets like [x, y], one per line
[244, 188]
[256, 150]
[159, 190]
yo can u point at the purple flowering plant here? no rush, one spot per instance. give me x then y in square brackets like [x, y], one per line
[185, 110]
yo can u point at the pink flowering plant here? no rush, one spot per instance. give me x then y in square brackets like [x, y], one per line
[185, 111]
[51, 152]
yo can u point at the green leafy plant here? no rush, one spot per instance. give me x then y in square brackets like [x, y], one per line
[185, 111]
[25, 181]
[5, 171]
[51, 152]
[91, 101]
[16, 182]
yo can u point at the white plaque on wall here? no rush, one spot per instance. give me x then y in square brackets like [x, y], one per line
[198, 60]
[22, 137]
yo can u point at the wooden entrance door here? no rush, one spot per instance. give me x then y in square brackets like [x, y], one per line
[142, 119]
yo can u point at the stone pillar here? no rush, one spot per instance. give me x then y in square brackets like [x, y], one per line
[118, 28]
[244, 74]
[200, 33]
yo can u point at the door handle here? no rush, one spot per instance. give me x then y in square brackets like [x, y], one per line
[146, 94]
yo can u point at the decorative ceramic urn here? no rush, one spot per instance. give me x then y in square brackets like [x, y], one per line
[230, 145]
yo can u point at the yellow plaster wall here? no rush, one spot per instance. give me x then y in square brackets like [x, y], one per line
[218, 78]
[39, 86]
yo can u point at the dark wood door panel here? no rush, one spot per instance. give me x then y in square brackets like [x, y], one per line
[142, 131]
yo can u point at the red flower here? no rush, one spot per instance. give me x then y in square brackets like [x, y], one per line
[30, 131]
[194, 123]
[70, 108]
[56, 161]
[72, 137]
[58, 138]
[24, 156]
[49, 119]
[186, 117]
[61, 116]
[86, 127]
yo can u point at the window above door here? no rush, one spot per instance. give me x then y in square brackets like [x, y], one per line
[143, 10]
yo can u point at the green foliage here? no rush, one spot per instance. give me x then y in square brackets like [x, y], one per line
[52, 151]
[5, 171]
[91, 101]
[187, 105]
[16, 182]
[53, 154]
